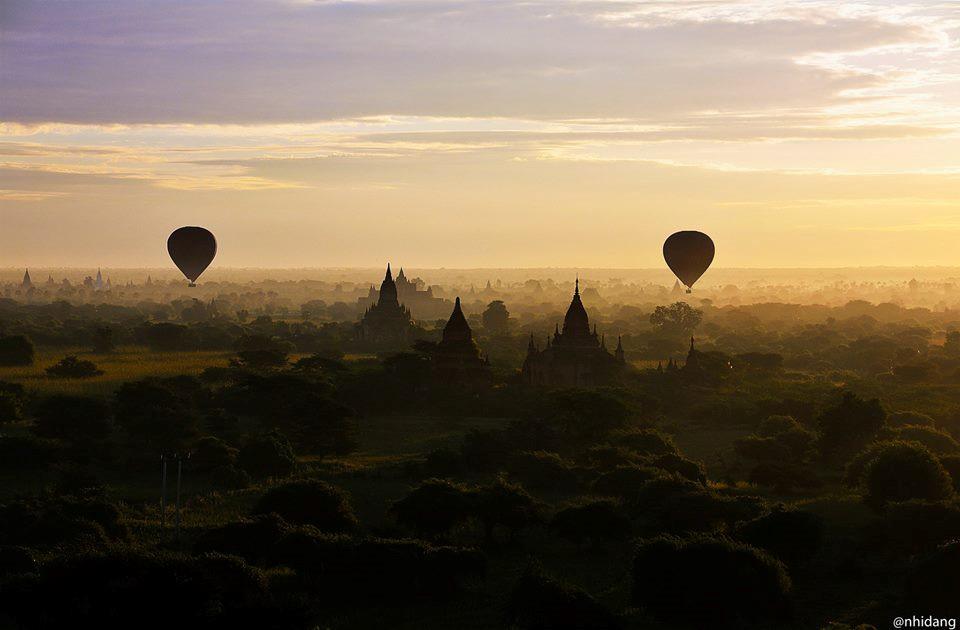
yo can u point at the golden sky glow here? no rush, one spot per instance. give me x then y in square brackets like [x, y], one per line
[497, 133]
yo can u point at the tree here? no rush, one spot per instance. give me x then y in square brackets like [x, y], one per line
[73, 367]
[268, 455]
[15, 351]
[435, 507]
[902, 471]
[12, 397]
[210, 453]
[74, 419]
[496, 317]
[261, 352]
[792, 536]
[848, 426]
[539, 602]
[156, 416]
[103, 340]
[596, 521]
[708, 582]
[932, 582]
[586, 414]
[952, 344]
[310, 502]
[167, 337]
[507, 505]
[679, 317]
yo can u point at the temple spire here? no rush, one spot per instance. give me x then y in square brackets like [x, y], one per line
[576, 286]
[389, 275]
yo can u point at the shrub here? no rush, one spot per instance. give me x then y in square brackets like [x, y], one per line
[73, 367]
[364, 570]
[441, 462]
[210, 453]
[65, 520]
[792, 536]
[624, 481]
[774, 425]
[15, 351]
[915, 526]
[251, 539]
[267, 455]
[951, 463]
[902, 471]
[785, 478]
[435, 507]
[932, 583]
[857, 467]
[485, 450]
[779, 439]
[506, 505]
[108, 589]
[22, 453]
[607, 457]
[12, 397]
[904, 418]
[674, 505]
[706, 582]
[595, 521]
[935, 440]
[539, 469]
[229, 478]
[14, 560]
[645, 442]
[322, 426]
[538, 602]
[310, 502]
[75, 419]
[682, 466]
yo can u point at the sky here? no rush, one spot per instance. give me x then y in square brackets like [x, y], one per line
[480, 133]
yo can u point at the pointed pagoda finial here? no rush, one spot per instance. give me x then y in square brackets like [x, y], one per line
[576, 286]
[389, 275]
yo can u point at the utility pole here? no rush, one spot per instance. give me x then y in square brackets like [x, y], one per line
[179, 475]
[163, 493]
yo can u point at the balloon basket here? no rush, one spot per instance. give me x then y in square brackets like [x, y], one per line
[689, 290]
[193, 284]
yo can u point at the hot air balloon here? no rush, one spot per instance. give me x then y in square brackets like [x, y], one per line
[688, 254]
[192, 250]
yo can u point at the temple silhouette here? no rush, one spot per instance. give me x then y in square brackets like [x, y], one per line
[410, 295]
[457, 357]
[387, 323]
[575, 356]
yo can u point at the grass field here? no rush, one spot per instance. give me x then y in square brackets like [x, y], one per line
[127, 363]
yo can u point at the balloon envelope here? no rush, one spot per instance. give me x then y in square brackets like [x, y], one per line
[192, 250]
[688, 254]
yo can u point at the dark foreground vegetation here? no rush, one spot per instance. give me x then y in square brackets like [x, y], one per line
[803, 476]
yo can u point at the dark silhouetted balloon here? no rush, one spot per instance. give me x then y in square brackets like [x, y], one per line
[688, 254]
[192, 250]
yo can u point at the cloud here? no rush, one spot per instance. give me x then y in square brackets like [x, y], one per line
[267, 62]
